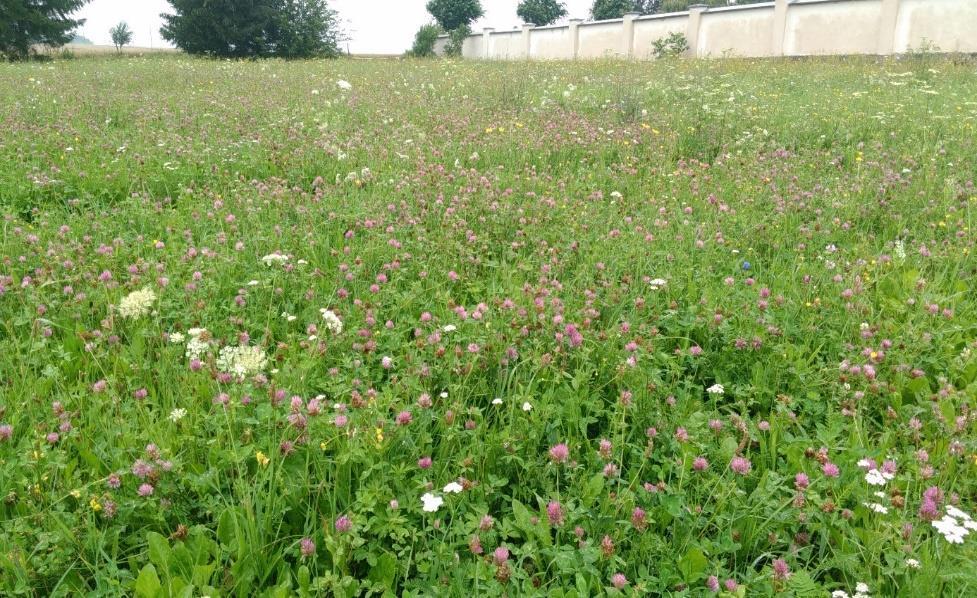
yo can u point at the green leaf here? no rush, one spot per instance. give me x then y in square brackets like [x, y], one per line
[803, 586]
[692, 564]
[385, 571]
[159, 550]
[147, 584]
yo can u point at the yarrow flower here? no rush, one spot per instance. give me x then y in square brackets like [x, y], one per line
[955, 525]
[274, 258]
[177, 414]
[137, 304]
[716, 389]
[453, 488]
[242, 360]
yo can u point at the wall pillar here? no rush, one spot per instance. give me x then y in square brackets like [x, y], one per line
[575, 38]
[628, 41]
[779, 27]
[527, 29]
[486, 40]
[887, 26]
[692, 27]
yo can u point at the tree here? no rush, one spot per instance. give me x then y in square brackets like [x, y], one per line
[615, 9]
[541, 12]
[253, 28]
[121, 35]
[424, 41]
[452, 14]
[25, 23]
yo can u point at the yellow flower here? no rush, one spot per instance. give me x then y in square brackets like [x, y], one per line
[95, 505]
[379, 435]
[262, 458]
[76, 493]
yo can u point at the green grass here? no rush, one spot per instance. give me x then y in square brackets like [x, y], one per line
[488, 234]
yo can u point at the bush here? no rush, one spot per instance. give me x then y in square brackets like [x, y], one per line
[456, 40]
[424, 41]
[672, 45]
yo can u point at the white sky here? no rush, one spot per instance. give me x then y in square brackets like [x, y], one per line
[376, 26]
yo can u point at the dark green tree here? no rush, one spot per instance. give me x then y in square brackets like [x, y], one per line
[424, 41]
[452, 14]
[615, 9]
[541, 12]
[26, 23]
[253, 28]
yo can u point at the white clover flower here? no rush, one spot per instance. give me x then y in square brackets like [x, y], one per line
[527, 407]
[876, 507]
[453, 488]
[716, 389]
[431, 503]
[288, 317]
[137, 303]
[176, 338]
[496, 401]
[344, 85]
[861, 587]
[274, 258]
[912, 563]
[332, 322]
[657, 283]
[177, 414]
[449, 328]
[195, 332]
[243, 361]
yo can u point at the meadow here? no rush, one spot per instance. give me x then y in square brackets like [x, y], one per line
[447, 328]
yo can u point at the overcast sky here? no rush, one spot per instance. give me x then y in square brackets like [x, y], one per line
[376, 26]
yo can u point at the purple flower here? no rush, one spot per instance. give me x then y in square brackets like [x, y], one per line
[554, 512]
[501, 555]
[307, 547]
[343, 524]
[145, 490]
[559, 453]
[740, 465]
[619, 581]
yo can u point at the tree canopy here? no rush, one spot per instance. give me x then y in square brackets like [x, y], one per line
[615, 9]
[253, 28]
[541, 12]
[452, 14]
[25, 23]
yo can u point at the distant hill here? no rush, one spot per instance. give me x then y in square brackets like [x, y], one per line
[81, 40]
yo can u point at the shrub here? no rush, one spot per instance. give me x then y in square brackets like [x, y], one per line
[456, 40]
[424, 41]
[672, 45]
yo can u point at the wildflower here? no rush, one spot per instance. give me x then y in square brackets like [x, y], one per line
[307, 547]
[912, 563]
[137, 304]
[145, 490]
[453, 488]
[242, 360]
[500, 555]
[344, 85]
[618, 580]
[781, 571]
[559, 453]
[830, 470]
[716, 389]
[176, 338]
[801, 481]
[6, 431]
[261, 458]
[177, 414]
[700, 464]
[333, 323]
[657, 283]
[877, 507]
[554, 512]
[877, 478]
[343, 524]
[431, 503]
[740, 465]
[274, 258]
[404, 418]
[712, 584]
[527, 407]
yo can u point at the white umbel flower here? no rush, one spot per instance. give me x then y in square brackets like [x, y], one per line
[137, 303]
[716, 389]
[431, 503]
[242, 361]
[453, 488]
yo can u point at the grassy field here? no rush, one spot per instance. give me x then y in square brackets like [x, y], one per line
[446, 328]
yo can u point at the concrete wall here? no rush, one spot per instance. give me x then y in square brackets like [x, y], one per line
[778, 28]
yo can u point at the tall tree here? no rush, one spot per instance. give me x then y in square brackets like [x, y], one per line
[452, 14]
[121, 35]
[24, 23]
[541, 12]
